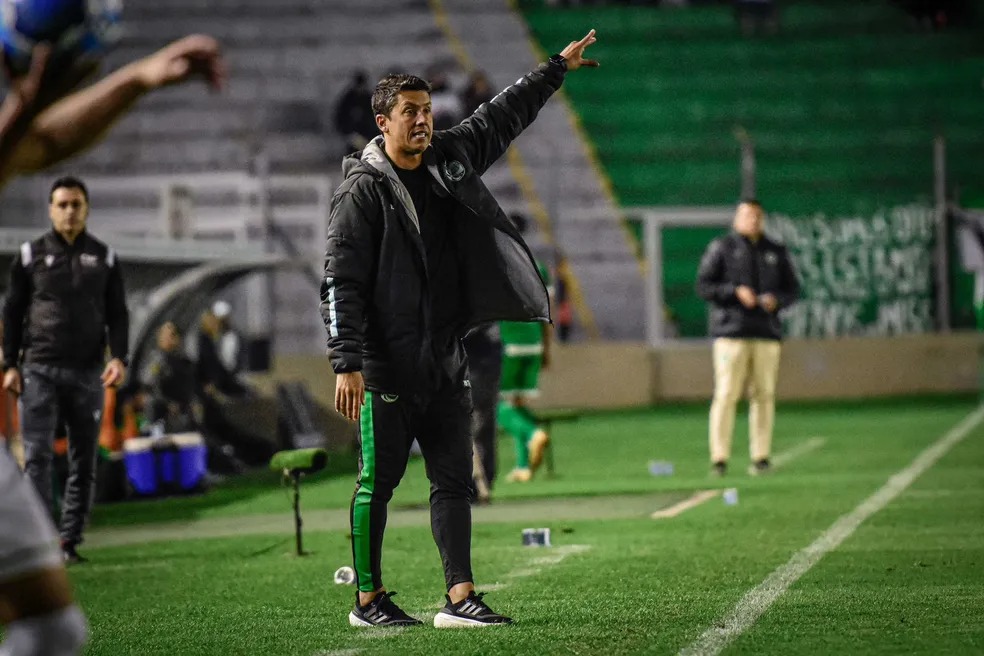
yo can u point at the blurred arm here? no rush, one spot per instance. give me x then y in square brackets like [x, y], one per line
[76, 122]
[711, 285]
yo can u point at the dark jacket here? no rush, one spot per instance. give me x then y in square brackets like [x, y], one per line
[732, 261]
[171, 379]
[63, 302]
[375, 295]
[209, 369]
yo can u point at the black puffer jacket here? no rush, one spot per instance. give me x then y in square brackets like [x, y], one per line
[732, 261]
[375, 295]
[64, 302]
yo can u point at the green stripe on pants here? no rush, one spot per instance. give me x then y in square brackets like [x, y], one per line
[361, 537]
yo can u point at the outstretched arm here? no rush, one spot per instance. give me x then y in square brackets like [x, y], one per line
[487, 133]
[75, 122]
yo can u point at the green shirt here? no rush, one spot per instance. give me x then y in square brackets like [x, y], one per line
[524, 337]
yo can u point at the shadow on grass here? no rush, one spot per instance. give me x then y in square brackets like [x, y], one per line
[230, 491]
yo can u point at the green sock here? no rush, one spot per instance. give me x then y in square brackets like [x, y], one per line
[519, 424]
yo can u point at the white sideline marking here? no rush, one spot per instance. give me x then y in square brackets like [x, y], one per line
[493, 587]
[789, 455]
[685, 505]
[758, 600]
[127, 567]
[338, 652]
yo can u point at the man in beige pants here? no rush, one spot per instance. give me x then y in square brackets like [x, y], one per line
[746, 278]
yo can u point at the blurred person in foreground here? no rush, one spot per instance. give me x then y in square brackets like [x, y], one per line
[43, 121]
[747, 278]
[418, 252]
[10, 420]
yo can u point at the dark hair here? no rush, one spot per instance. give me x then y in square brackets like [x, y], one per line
[68, 182]
[384, 96]
[751, 201]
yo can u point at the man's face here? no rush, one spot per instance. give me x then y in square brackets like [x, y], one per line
[749, 220]
[68, 210]
[410, 124]
[167, 338]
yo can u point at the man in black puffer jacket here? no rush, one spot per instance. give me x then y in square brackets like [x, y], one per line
[747, 279]
[418, 252]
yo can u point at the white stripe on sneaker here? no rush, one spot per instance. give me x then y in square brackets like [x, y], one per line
[449, 621]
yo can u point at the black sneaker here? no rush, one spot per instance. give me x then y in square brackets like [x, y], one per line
[719, 469]
[381, 611]
[470, 611]
[70, 555]
[759, 467]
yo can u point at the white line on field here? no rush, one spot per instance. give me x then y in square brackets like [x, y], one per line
[338, 652]
[494, 587]
[789, 455]
[127, 567]
[685, 505]
[758, 600]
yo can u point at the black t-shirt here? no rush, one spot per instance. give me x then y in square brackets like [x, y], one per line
[435, 212]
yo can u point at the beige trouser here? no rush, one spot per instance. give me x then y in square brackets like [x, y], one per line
[738, 362]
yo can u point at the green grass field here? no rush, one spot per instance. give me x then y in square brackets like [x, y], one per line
[215, 574]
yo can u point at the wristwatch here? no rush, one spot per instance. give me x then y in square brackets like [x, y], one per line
[558, 60]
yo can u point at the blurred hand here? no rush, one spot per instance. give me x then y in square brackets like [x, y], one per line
[574, 53]
[746, 296]
[193, 55]
[114, 374]
[12, 381]
[350, 393]
[769, 302]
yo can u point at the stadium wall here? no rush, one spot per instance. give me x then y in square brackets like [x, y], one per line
[619, 375]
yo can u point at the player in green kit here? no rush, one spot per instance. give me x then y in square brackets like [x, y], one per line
[525, 352]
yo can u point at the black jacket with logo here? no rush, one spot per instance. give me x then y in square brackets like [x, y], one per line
[375, 295]
[63, 302]
[765, 266]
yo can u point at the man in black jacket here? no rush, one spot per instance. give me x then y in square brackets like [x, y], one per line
[418, 252]
[66, 297]
[747, 279]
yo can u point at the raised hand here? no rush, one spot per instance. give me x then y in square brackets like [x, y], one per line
[197, 54]
[574, 53]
